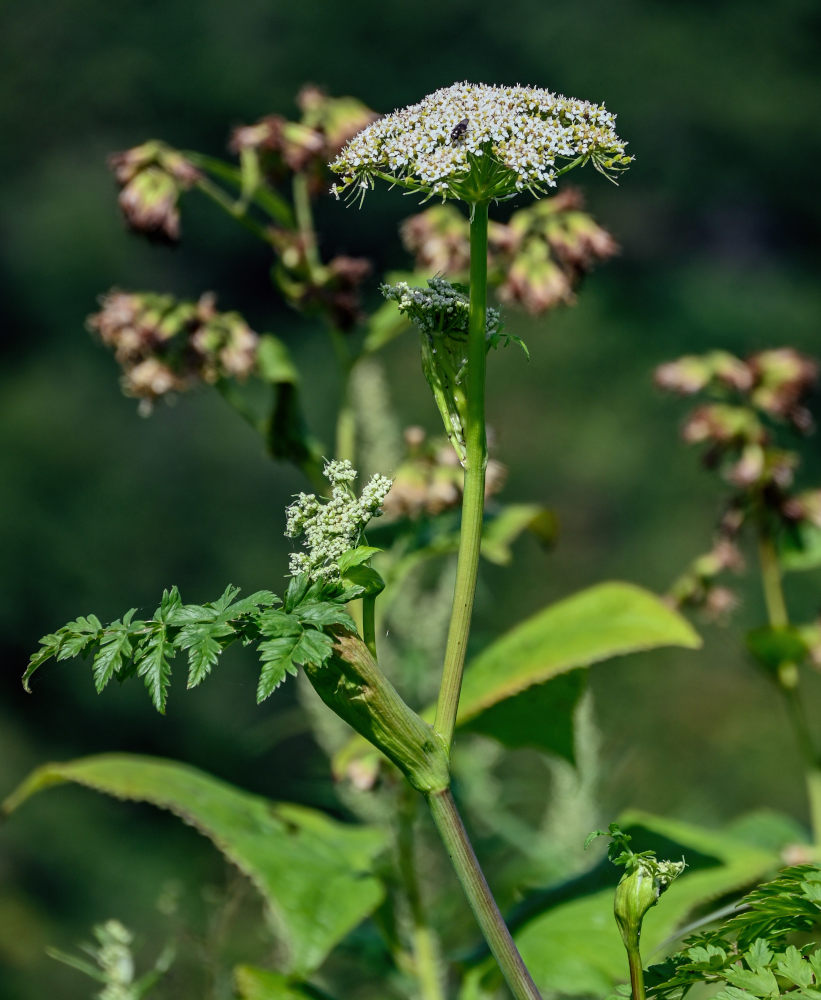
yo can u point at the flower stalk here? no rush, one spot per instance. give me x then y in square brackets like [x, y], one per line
[787, 675]
[454, 836]
[473, 499]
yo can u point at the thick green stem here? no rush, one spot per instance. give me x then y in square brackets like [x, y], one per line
[788, 676]
[636, 974]
[473, 500]
[424, 947]
[454, 836]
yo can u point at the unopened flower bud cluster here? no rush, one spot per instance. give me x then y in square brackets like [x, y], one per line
[331, 527]
[441, 308]
[477, 142]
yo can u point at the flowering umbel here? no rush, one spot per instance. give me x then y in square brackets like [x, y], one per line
[476, 142]
[332, 527]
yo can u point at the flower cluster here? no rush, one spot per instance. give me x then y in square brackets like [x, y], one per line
[304, 146]
[151, 178]
[535, 260]
[440, 309]
[331, 527]
[430, 480]
[477, 143]
[165, 345]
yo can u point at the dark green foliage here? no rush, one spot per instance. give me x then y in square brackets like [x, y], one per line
[291, 632]
[748, 955]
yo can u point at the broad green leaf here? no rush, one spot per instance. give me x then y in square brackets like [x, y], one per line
[261, 984]
[596, 624]
[540, 717]
[568, 937]
[607, 620]
[314, 873]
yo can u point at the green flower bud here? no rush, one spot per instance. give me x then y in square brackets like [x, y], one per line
[639, 889]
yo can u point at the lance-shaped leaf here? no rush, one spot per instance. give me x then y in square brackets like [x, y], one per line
[314, 873]
[520, 689]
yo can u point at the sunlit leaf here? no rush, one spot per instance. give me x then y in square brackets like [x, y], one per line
[314, 873]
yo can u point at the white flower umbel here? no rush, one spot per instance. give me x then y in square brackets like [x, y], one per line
[478, 143]
[330, 527]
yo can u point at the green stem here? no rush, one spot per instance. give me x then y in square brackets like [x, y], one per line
[423, 941]
[305, 223]
[636, 974]
[369, 623]
[473, 499]
[454, 836]
[787, 677]
[264, 197]
[235, 210]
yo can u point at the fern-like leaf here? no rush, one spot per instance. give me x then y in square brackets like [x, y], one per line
[115, 646]
[153, 665]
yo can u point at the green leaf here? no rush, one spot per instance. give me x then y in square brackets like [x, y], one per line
[607, 620]
[274, 362]
[282, 655]
[355, 557]
[261, 984]
[298, 587]
[323, 613]
[366, 578]
[758, 955]
[604, 621]
[151, 660]
[115, 646]
[760, 983]
[568, 937]
[499, 532]
[77, 635]
[540, 717]
[314, 873]
[795, 968]
[800, 547]
[204, 648]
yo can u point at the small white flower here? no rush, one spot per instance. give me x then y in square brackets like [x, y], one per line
[331, 527]
[477, 143]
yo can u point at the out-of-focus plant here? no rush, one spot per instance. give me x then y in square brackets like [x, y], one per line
[755, 415]
[114, 963]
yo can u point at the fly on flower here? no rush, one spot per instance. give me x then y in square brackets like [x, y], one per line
[459, 131]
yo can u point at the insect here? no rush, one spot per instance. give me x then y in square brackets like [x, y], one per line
[459, 131]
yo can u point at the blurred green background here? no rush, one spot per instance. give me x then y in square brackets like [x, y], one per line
[718, 220]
